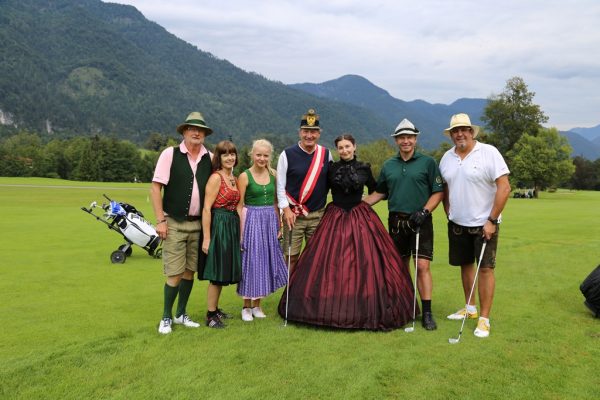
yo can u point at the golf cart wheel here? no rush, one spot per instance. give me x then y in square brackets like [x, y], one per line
[158, 253]
[128, 251]
[118, 257]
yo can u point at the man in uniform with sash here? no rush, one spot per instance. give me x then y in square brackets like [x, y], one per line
[302, 184]
[181, 172]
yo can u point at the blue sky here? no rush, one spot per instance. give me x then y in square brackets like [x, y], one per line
[437, 51]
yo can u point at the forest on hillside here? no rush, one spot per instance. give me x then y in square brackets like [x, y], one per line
[93, 68]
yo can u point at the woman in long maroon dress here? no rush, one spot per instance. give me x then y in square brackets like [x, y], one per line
[350, 274]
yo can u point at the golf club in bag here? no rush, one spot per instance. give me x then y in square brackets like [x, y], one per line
[287, 288]
[453, 340]
[412, 328]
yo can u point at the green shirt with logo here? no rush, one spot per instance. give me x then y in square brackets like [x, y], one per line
[409, 184]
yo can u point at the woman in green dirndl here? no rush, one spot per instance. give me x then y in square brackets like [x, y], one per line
[221, 231]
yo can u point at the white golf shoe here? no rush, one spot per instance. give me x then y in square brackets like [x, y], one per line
[164, 326]
[257, 312]
[185, 320]
[483, 328]
[460, 314]
[247, 314]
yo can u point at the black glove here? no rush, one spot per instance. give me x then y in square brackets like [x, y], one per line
[417, 218]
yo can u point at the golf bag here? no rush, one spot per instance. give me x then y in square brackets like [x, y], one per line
[591, 291]
[126, 220]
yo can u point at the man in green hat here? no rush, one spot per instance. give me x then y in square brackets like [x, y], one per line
[181, 174]
[412, 183]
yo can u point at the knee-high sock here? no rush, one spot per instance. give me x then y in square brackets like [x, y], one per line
[185, 288]
[170, 295]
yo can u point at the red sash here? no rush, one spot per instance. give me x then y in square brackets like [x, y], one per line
[309, 183]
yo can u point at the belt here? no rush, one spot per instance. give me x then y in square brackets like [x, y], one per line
[399, 214]
[192, 218]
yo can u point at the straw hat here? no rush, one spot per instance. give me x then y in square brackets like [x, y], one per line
[194, 119]
[405, 127]
[461, 120]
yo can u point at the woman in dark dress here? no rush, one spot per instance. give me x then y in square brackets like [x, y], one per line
[220, 243]
[350, 274]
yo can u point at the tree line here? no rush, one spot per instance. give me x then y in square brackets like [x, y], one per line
[538, 157]
[96, 158]
[102, 159]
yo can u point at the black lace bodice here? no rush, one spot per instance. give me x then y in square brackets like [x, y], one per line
[347, 180]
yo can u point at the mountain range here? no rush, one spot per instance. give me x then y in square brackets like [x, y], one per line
[90, 67]
[430, 119]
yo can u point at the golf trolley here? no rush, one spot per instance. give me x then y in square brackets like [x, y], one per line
[130, 223]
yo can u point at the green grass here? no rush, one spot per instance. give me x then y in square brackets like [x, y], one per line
[76, 326]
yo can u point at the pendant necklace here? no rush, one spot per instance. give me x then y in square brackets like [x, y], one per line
[231, 178]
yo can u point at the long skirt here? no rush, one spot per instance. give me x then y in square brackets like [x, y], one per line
[223, 261]
[350, 275]
[263, 267]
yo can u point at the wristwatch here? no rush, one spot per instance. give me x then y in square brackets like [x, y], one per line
[493, 221]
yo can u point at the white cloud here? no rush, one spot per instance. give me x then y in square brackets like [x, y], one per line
[433, 50]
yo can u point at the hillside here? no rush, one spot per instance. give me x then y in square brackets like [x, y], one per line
[90, 67]
[93, 67]
[582, 146]
[430, 119]
[592, 133]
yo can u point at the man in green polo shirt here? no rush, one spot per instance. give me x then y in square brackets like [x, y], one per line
[412, 183]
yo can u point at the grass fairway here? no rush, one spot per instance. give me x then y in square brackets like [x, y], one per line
[76, 326]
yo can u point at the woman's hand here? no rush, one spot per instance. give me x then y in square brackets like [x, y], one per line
[205, 245]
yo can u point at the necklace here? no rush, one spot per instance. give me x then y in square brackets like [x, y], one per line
[231, 178]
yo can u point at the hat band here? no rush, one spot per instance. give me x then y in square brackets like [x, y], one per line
[195, 121]
[461, 125]
[407, 129]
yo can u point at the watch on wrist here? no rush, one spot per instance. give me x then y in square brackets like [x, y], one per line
[493, 220]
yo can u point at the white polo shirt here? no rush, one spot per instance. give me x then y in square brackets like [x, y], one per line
[472, 183]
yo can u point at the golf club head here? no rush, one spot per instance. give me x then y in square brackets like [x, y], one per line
[453, 340]
[409, 329]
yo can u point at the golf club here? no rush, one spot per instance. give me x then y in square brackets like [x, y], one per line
[453, 340]
[287, 288]
[412, 328]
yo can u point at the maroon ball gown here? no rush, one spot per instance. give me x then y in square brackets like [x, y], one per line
[350, 274]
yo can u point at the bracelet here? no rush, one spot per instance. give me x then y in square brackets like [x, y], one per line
[161, 221]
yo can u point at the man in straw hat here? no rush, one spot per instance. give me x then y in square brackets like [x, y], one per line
[412, 183]
[476, 190]
[302, 184]
[181, 172]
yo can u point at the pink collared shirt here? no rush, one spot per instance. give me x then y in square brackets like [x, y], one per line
[162, 173]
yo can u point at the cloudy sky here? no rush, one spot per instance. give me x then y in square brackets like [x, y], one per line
[434, 50]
